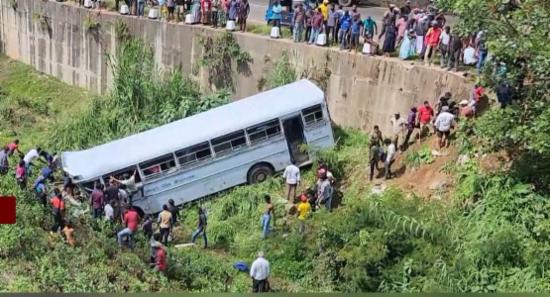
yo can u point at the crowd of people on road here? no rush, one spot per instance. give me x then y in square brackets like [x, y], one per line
[405, 31]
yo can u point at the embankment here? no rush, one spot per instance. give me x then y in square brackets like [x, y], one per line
[72, 44]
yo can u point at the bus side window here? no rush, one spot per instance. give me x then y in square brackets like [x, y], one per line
[228, 143]
[158, 165]
[194, 154]
[264, 131]
[313, 114]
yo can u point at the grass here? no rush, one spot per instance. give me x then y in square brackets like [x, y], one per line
[36, 100]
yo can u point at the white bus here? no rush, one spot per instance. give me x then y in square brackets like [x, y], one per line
[241, 142]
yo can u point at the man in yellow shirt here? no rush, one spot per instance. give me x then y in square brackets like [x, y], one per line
[324, 10]
[303, 210]
[165, 223]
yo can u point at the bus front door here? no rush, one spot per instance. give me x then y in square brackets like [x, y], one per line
[294, 134]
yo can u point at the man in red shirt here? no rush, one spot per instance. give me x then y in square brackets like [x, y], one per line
[131, 220]
[425, 116]
[58, 208]
[160, 259]
[432, 42]
[13, 147]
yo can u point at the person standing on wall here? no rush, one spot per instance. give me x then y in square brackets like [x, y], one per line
[165, 223]
[259, 272]
[292, 176]
[298, 22]
[244, 10]
[201, 228]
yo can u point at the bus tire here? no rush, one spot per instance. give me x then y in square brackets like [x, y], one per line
[345, 3]
[259, 173]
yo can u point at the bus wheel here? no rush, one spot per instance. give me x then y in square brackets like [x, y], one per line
[345, 3]
[259, 173]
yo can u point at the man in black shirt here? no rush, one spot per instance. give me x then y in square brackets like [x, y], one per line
[504, 94]
[455, 51]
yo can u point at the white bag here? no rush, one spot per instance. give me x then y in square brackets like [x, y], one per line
[230, 25]
[189, 19]
[124, 9]
[153, 13]
[275, 32]
[322, 39]
[88, 4]
[366, 48]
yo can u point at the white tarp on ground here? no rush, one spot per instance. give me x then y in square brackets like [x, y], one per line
[104, 159]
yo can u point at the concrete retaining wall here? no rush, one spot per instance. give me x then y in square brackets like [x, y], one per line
[361, 91]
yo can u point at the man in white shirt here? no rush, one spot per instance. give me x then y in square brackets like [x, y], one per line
[444, 41]
[470, 56]
[109, 212]
[390, 158]
[259, 272]
[399, 127]
[29, 157]
[443, 125]
[292, 177]
[130, 183]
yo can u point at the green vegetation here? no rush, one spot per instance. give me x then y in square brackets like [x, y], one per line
[419, 157]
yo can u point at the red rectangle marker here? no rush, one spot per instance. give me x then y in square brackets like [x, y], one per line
[7, 209]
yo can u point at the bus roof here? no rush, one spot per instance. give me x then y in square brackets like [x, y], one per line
[128, 151]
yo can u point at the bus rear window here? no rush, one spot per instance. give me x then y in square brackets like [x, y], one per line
[194, 154]
[313, 114]
[228, 143]
[158, 165]
[264, 131]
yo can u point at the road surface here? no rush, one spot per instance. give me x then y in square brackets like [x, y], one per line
[258, 8]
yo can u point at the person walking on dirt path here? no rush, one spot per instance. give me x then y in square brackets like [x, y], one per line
[201, 228]
[68, 232]
[267, 217]
[399, 126]
[374, 156]
[411, 124]
[292, 177]
[389, 158]
[41, 190]
[443, 123]
[165, 223]
[58, 210]
[4, 164]
[14, 147]
[97, 199]
[425, 116]
[303, 211]
[259, 272]
[131, 220]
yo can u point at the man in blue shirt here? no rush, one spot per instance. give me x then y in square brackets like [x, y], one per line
[355, 32]
[345, 23]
